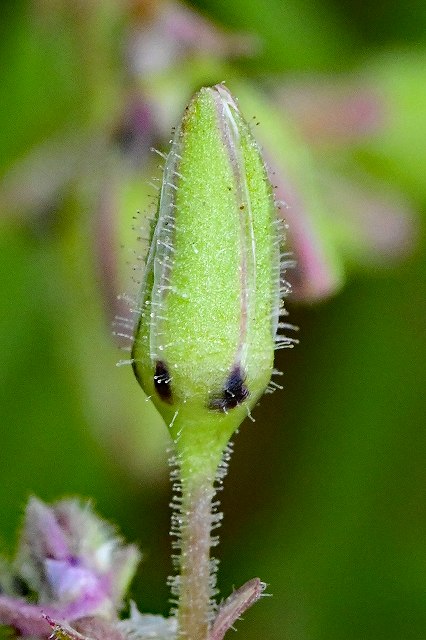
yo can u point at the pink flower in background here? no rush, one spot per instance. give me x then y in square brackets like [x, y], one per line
[73, 561]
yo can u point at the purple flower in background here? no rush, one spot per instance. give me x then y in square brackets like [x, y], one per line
[73, 561]
[77, 572]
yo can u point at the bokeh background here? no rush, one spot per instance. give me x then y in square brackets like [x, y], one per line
[326, 493]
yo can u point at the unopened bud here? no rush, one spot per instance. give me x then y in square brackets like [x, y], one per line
[209, 306]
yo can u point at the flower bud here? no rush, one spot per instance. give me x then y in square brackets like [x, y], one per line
[209, 305]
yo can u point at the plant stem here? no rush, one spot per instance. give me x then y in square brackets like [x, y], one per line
[201, 456]
[196, 578]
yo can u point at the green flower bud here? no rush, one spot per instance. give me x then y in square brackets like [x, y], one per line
[208, 313]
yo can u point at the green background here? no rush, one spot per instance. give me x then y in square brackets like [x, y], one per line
[326, 494]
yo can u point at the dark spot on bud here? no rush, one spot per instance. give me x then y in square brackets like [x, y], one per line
[162, 382]
[234, 392]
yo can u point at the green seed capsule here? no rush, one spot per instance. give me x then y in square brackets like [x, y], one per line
[208, 312]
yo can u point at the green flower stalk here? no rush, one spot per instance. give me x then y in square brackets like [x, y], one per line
[207, 319]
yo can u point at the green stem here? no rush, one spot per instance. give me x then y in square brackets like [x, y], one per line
[196, 578]
[200, 446]
[199, 454]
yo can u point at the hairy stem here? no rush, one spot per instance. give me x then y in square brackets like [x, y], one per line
[202, 455]
[196, 580]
